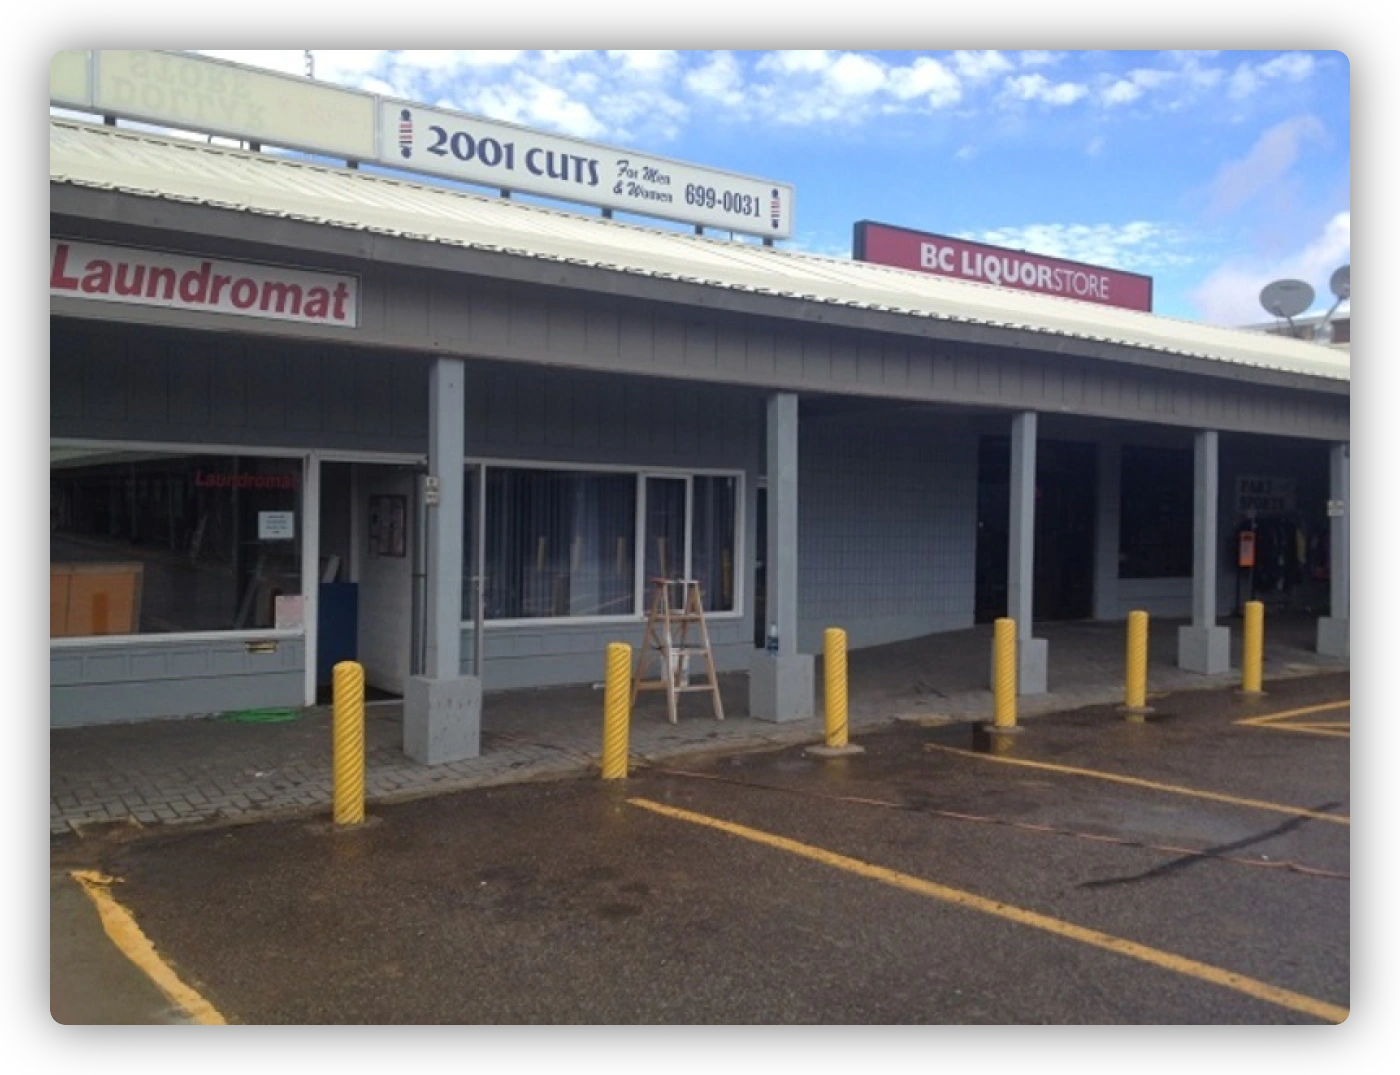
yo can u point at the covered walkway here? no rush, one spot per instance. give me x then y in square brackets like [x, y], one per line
[180, 772]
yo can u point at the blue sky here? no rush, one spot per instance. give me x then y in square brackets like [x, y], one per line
[1213, 172]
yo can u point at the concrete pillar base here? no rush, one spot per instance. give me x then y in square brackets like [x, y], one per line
[782, 689]
[1333, 637]
[1203, 649]
[1032, 666]
[442, 719]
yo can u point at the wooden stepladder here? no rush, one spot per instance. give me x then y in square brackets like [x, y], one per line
[670, 641]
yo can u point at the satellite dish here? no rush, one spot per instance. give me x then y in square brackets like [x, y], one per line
[1341, 283]
[1286, 298]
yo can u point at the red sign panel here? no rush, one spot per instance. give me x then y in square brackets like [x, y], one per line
[942, 255]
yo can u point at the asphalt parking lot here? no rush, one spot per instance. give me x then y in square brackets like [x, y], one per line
[1193, 868]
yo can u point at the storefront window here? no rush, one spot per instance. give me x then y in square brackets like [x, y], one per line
[714, 531]
[1157, 513]
[563, 544]
[147, 542]
[559, 543]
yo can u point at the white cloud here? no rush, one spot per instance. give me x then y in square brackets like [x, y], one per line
[648, 62]
[1268, 161]
[561, 55]
[795, 61]
[855, 75]
[1249, 78]
[1039, 88]
[431, 59]
[926, 78]
[1039, 58]
[981, 64]
[1230, 294]
[1122, 91]
[719, 79]
[1133, 85]
[487, 57]
[1138, 245]
[1294, 66]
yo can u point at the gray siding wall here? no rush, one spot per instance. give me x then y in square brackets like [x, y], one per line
[888, 517]
[101, 682]
[437, 311]
[119, 383]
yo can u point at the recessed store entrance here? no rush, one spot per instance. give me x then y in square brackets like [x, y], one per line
[1066, 474]
[369, 599]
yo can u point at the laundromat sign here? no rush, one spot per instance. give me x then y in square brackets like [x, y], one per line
[102, 273]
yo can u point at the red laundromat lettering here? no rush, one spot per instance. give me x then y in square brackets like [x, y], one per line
[201, 286]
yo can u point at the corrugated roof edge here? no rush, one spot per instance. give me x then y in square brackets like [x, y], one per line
[1265, 352]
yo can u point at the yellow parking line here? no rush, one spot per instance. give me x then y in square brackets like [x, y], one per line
[1176, 789]
[1286, 998]
[1308, 729]
[1271, 718]
[121, 927]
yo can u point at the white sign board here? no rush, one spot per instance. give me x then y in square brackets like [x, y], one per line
[1257, 495]
[276, 525]
[513, 158]
[69, 78]
[202, 94]
[154, 278]
[189, 92]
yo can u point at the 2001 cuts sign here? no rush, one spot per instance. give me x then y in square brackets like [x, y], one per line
[512, 158]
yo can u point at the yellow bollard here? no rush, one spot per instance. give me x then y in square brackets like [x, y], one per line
[1252, 660]
[1004, 673]
[348, 742]
[836, 693]
[617, 710]
[1135, 687]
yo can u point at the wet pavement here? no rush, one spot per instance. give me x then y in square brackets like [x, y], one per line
[158, 774]
[774, 886]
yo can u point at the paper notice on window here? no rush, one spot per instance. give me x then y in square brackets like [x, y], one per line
[289, 612]
[276, 525]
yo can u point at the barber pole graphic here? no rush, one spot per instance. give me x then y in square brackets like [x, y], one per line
[406, 133]
[777, 208]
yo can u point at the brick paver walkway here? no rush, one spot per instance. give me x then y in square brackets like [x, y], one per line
[173, 772]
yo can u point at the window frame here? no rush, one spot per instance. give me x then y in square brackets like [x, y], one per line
[232, 634]
[641, 596]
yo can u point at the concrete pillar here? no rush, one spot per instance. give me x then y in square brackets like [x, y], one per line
[1107, 531]
[1204, 646]
[1031, 653]
[781, 685]
[1334, 631]
[442, 707]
